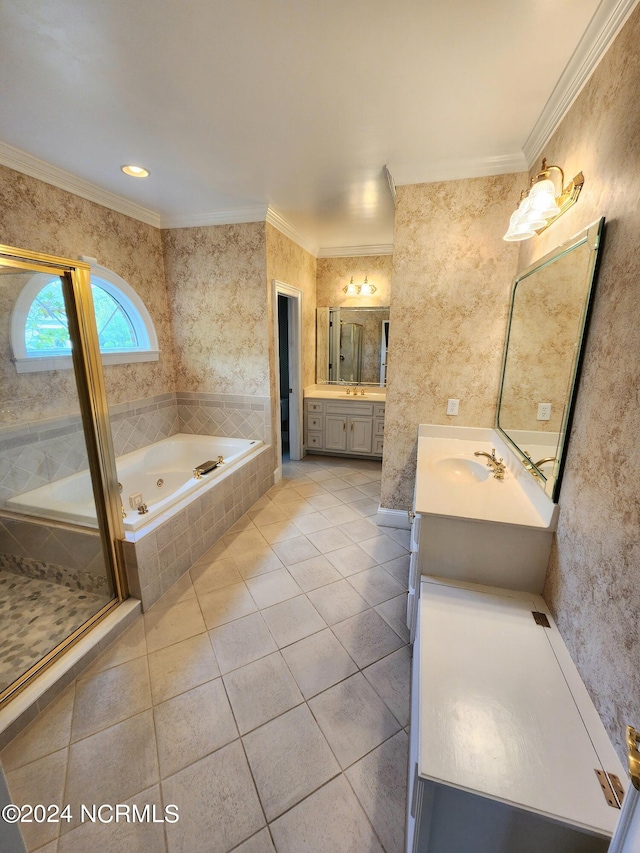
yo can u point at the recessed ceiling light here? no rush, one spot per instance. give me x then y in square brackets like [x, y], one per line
[135, 171]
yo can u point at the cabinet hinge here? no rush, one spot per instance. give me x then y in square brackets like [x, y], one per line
[611, 788]
[540, 618]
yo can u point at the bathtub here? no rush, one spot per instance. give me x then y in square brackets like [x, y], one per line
[161, 473]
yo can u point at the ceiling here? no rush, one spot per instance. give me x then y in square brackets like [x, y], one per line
[293, 106]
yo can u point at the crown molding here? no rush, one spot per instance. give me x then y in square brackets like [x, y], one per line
[603, 28]
[355, 251]
[231, 216]
[284, 227]
[19, 160]
[458, 169]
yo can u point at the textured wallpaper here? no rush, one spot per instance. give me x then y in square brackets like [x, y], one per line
[452, 277]
[43, 218]
[593, 584]
[217, 280]
[334, 273]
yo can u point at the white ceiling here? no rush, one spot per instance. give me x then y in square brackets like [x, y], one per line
[236, 105]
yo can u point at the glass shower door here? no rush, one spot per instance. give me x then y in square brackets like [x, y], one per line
[57, 559]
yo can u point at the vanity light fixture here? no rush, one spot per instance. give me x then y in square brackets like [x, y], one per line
[364, 289]
[539, 205]
[135, 171]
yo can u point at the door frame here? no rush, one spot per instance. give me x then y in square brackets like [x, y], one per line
[294, 306]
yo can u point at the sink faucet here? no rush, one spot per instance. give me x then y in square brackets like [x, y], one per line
[532, 466]
[497, 466]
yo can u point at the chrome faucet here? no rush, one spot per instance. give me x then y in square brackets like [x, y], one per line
[496, 465]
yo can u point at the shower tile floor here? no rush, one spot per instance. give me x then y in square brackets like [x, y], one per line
[35, 616]
[266, 695]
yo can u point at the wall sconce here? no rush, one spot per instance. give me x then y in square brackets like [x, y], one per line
[539, 205]
[364, 289]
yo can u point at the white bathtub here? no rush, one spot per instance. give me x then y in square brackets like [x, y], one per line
[162, 473]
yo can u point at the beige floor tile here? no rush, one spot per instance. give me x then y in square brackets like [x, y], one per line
[367, 637]
[329, 540]
[359, 530]
[289, 758]
[310, 574]
[356, 478]
[399, 534]
[164, 627]
[371, 490]
[260, 843]
[391, 679]
[247, 540]
[132, 644]
[350, 494]
[312, 523]
[112, 765]
[394, 613]
[334, 484]
[297, 508]
[295, 550]
[261, 691]
[182, 666]
[217, 801]
[380, 783]
[244, 523]
[310, 489]
[242, 642]
[318, 662]
[353, 718]
[351, 559]
[325, 500]
[331, 819]
[337, 601]
[382, 548]
[49, 732]
[342, 514]
[121, 836]
[290, 621]
[218, 551]
[41, 781]
[181, 590]
[272, 588]
[366, 507]
[263, 502]
[280, 531]
[226, 604]
[399, 568]
[266, 515]
[257, 562]
[375, 585]
[285, 495]
[192, 725]
[110, 697]
[318, 475]
[207, 577]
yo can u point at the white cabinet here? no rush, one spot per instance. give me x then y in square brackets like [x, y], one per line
[349, 427]
[505, 742]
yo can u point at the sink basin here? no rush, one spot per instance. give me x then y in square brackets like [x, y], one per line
[459, 469]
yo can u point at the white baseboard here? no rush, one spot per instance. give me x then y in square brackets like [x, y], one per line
[393, 518]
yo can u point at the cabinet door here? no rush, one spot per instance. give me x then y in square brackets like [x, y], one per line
[335, 432]
[360, 435]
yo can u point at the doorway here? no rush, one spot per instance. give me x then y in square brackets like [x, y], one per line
[288, 361]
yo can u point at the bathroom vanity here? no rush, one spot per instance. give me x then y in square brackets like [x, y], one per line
[341, 424]
[507, 752]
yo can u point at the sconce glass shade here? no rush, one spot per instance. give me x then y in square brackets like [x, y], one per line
[367, 289]
[519, 228]
[351, 289]
[542, 196]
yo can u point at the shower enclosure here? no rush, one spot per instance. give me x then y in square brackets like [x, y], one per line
[56, 579]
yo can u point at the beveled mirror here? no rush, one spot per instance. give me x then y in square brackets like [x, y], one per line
[545, 337]
[351, 345]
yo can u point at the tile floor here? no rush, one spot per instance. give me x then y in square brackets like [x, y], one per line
[266, 694]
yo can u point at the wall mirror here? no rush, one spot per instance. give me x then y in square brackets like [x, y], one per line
[545, 336]
[351, 345]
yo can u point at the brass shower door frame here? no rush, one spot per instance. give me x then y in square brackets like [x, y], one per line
[87, 365]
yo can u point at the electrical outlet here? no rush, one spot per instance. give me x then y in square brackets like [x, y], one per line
[453, 406]
[544, 411]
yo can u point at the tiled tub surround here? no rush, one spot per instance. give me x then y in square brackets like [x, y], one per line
[158, 554]
[232, 415]
[267, 694]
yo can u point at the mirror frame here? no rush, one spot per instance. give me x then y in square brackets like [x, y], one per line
[592, 235]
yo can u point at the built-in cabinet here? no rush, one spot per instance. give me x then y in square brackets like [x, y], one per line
[348, 427]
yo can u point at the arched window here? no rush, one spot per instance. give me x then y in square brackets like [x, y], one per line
[39, 328]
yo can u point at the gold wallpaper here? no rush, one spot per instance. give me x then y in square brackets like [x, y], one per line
[217, 278]
[452, 277]
[593, 583]
[334, 273]
[43, 218]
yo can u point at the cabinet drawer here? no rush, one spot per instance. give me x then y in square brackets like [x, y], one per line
[314, 422]
[314, 439]
[378, 444]
[314, 406]
[378, 426]
[350, 407]
[378, 410]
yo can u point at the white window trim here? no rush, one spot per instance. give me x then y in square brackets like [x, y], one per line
[113, 284]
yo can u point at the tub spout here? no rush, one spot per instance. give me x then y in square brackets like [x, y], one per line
[142, 509]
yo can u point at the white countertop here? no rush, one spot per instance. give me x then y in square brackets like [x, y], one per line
[339, 392]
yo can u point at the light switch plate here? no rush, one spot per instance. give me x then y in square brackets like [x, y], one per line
[453, 406]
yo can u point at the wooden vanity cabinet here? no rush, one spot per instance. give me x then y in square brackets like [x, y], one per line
[344, 427]
[504, 741]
